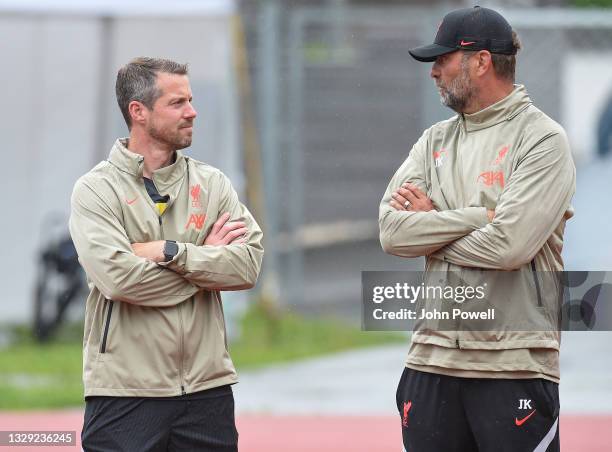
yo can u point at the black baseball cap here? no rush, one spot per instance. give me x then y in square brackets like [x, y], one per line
[474, 28]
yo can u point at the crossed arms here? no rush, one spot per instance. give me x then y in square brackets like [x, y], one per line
[229, 259]
[534, 200]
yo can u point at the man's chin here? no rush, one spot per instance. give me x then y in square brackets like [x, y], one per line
[178, 143]
[445, 101]
[452, 104]
[183, 144]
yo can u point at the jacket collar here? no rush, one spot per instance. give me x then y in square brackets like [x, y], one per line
[133, 163]
[504, 110]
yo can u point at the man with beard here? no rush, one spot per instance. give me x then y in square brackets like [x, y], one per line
[159, 235]
[488, 189]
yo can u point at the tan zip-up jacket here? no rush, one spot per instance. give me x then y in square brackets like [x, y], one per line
[157, 329]
[514, 159]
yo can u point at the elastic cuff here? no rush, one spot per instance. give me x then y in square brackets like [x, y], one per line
[173, 264]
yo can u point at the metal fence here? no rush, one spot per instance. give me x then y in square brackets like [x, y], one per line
[340, 103]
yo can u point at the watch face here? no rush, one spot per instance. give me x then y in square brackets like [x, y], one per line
[170, 249]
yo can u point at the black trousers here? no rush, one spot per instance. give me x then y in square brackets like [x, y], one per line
[449, 414]
[202, 421]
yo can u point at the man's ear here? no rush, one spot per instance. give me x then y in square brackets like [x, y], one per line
[138, 112]
[483, 62]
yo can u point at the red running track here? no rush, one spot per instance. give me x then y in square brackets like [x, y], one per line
[262, 433]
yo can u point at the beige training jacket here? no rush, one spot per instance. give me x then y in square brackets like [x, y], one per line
[157, 329]
[513, 158]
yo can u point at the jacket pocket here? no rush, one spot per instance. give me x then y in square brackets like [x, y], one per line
[109, 312]
[537, 283]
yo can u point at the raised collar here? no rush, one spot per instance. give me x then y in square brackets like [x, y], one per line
[133, 163]
[504, 110]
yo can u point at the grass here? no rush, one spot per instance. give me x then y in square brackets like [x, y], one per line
[34, 376]
[269, 337]
[40, 376]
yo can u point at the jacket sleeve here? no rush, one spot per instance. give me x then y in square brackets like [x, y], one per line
[106, 255]
[413, 234]
[535, 199]
[228, 267]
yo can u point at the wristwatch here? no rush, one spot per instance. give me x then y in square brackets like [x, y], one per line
[170, 250]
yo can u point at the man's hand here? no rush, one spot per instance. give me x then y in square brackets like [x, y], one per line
[490, 214]
[416, 199]
[154, 251]
[226, 232]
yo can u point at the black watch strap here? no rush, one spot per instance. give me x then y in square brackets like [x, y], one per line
[170, 250]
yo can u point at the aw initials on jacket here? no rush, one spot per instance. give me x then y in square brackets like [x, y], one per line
[485, 168]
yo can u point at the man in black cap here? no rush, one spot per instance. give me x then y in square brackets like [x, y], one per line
[488, 189]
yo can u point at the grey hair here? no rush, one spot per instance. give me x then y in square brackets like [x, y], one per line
[504, 65]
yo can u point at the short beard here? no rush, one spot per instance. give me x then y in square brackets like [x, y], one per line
[172, 139]
[460, 91]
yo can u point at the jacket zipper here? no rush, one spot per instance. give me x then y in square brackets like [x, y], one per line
[178, 307]
[109, 304]
[537, 283]
[181, 349]
[457, 342]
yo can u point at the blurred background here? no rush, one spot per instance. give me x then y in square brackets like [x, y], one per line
[309, 107]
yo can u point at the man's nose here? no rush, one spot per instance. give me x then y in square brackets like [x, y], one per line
[191, 112]
[435, 70]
